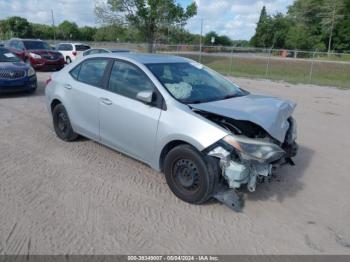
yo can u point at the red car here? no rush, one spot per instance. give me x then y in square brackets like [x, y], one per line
[38, 53]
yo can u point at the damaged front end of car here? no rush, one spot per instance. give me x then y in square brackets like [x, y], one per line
[248, 156]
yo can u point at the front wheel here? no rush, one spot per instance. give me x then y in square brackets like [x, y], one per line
[188, 175]
[62, 125]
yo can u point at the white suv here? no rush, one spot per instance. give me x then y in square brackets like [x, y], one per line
[70, 51]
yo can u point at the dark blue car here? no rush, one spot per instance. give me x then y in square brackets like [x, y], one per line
[15, 75]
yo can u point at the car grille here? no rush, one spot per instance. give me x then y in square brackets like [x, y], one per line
[11, 74]
[51, 57]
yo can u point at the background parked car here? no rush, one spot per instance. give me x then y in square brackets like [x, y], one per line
[70, 51]
[37, 53]
[93, 51]
[15, 75]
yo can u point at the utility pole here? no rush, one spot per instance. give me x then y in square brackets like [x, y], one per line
[53, 26]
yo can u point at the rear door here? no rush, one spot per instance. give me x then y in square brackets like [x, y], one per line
[66, 50]
[82, 92]
[126, 123]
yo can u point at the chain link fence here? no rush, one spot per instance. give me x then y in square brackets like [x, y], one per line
[293, 66]
[304, 67]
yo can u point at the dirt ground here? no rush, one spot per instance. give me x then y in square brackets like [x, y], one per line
[83, 198]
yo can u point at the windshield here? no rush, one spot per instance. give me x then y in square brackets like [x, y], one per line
[7, 56]
[36, 45]
[193, 82]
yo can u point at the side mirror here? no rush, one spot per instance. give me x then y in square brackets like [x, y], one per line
[145, 96]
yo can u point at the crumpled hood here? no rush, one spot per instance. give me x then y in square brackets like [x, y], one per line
[270, 113]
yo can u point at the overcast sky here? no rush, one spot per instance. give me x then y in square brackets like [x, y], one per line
[235, 18]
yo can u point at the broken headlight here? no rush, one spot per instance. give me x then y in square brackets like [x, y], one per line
[252, 149]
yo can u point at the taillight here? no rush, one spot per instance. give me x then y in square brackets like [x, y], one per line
[48, 80]
[74, 53]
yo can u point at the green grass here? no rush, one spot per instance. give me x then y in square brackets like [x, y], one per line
[289, 70]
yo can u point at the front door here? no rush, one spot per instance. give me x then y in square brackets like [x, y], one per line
[126, 123]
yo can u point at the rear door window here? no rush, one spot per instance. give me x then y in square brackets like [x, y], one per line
[92, 71]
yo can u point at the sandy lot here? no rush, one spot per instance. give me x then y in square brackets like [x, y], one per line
[83, 198]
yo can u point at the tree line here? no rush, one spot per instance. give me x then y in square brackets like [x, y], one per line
[308, 25]
[322, 25]
[19, 27]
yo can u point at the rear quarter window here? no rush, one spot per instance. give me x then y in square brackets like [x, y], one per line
[75, 72]
[91, 71]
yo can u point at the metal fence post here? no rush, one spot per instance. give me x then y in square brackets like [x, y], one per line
[268, 64]
[231, 63]
[312, 67]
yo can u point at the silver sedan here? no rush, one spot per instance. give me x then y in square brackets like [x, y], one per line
[207, 135]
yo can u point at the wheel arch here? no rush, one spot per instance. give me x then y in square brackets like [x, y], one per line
[168, 147]
[54, 103]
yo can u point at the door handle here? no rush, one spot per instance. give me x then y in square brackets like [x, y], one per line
[68, 86]
[106, 101]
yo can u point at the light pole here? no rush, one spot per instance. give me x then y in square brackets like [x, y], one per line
[53, 26]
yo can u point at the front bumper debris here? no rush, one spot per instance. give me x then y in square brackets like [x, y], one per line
[231, 198]
[242, 172]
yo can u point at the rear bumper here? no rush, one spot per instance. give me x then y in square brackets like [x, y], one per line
[24, 84]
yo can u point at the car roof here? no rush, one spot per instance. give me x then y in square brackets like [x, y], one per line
[70, 43]
[2, 48]
[115, 50]
[27, 39]
[146, 58]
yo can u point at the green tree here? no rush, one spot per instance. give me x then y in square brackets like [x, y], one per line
[113, 33]
[331, 16]
[42, 31]
[18, 27]
[262, 37]
[68, 30]
[341, 39]
[305, 31]
[209, 36]
[87, 33]
[222, 40]
[280, 29]
[147, 16]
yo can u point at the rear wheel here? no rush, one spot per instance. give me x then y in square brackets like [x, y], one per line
[68, 60]
[62, 124]
[189, 175]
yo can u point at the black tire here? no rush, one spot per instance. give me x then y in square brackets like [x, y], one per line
[189, 175]
[31, 91]
[68, 60]
[62, 124]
